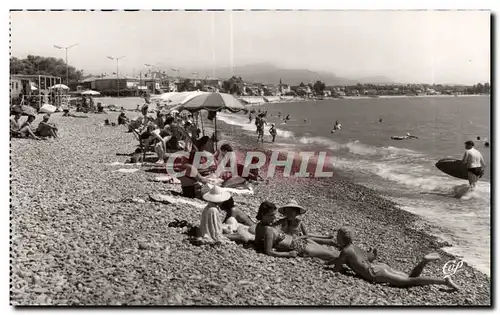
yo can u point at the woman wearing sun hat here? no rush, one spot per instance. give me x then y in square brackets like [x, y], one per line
[293, 225]
[211, 227]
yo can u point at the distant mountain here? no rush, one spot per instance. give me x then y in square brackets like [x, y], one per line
[270, 74]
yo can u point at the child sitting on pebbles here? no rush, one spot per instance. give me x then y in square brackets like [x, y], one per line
[293, 225]
[355, 259]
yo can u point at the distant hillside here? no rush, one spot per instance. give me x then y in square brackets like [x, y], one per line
[269, 74]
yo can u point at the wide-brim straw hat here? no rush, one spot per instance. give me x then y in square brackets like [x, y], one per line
[292, 204]
[217, 195]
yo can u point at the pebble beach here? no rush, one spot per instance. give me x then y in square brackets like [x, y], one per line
[83, 233]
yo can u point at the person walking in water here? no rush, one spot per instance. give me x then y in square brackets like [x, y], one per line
[474, 161]
[273, 131]
[260, 128]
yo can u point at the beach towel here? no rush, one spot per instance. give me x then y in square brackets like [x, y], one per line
[127, 170]
[47, 108]
[167, 179]
[122, 163]
[169, 199]
[239, 191]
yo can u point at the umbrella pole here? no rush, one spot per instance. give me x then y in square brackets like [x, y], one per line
[202, 127]
[216, 137]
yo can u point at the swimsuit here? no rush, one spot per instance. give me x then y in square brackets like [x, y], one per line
[299, 245]
[280, 238]
[478, 171]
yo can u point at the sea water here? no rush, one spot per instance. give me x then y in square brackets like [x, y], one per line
[404, 171]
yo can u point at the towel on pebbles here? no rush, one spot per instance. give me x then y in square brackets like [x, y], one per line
[176, 200]
[122, 163]
[167, 179]
[127, 170]
[243, 191]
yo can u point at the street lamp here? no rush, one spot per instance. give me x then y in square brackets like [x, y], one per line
[67, 71]
[117, 76]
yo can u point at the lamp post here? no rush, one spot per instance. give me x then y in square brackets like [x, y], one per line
[152, 69]
[117, 76]
[67, 71]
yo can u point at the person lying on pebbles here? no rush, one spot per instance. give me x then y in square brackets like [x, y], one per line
[275, 243]
[352, 256]
[293, 225]
[237, 221]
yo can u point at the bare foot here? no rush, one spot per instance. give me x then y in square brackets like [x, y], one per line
[431, 257]
[451, 284]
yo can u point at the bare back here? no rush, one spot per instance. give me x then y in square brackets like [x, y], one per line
[356, 259]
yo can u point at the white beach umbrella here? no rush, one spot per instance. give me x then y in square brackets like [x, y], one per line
[164, 96]
[60, 86]
[212, 102]
[90, 92]
[176, 98]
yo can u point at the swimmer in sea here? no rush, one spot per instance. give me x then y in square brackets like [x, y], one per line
[380, 120]
[485, 140]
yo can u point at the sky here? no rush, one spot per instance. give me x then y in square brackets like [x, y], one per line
[405, 46]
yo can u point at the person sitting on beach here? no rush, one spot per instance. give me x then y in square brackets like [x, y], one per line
[46, 129]
[293, 225]
[211, 227]
[100, 108]
[160, 119]
[136, 124]
[191, 181]
[275, 243]
[27, 130]
[203, 146]
[272, 131]
[352, 256]
[173, 138]
[226, 148]
[191, 130]
[122, 119]
[151, 136]
[15, 125]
